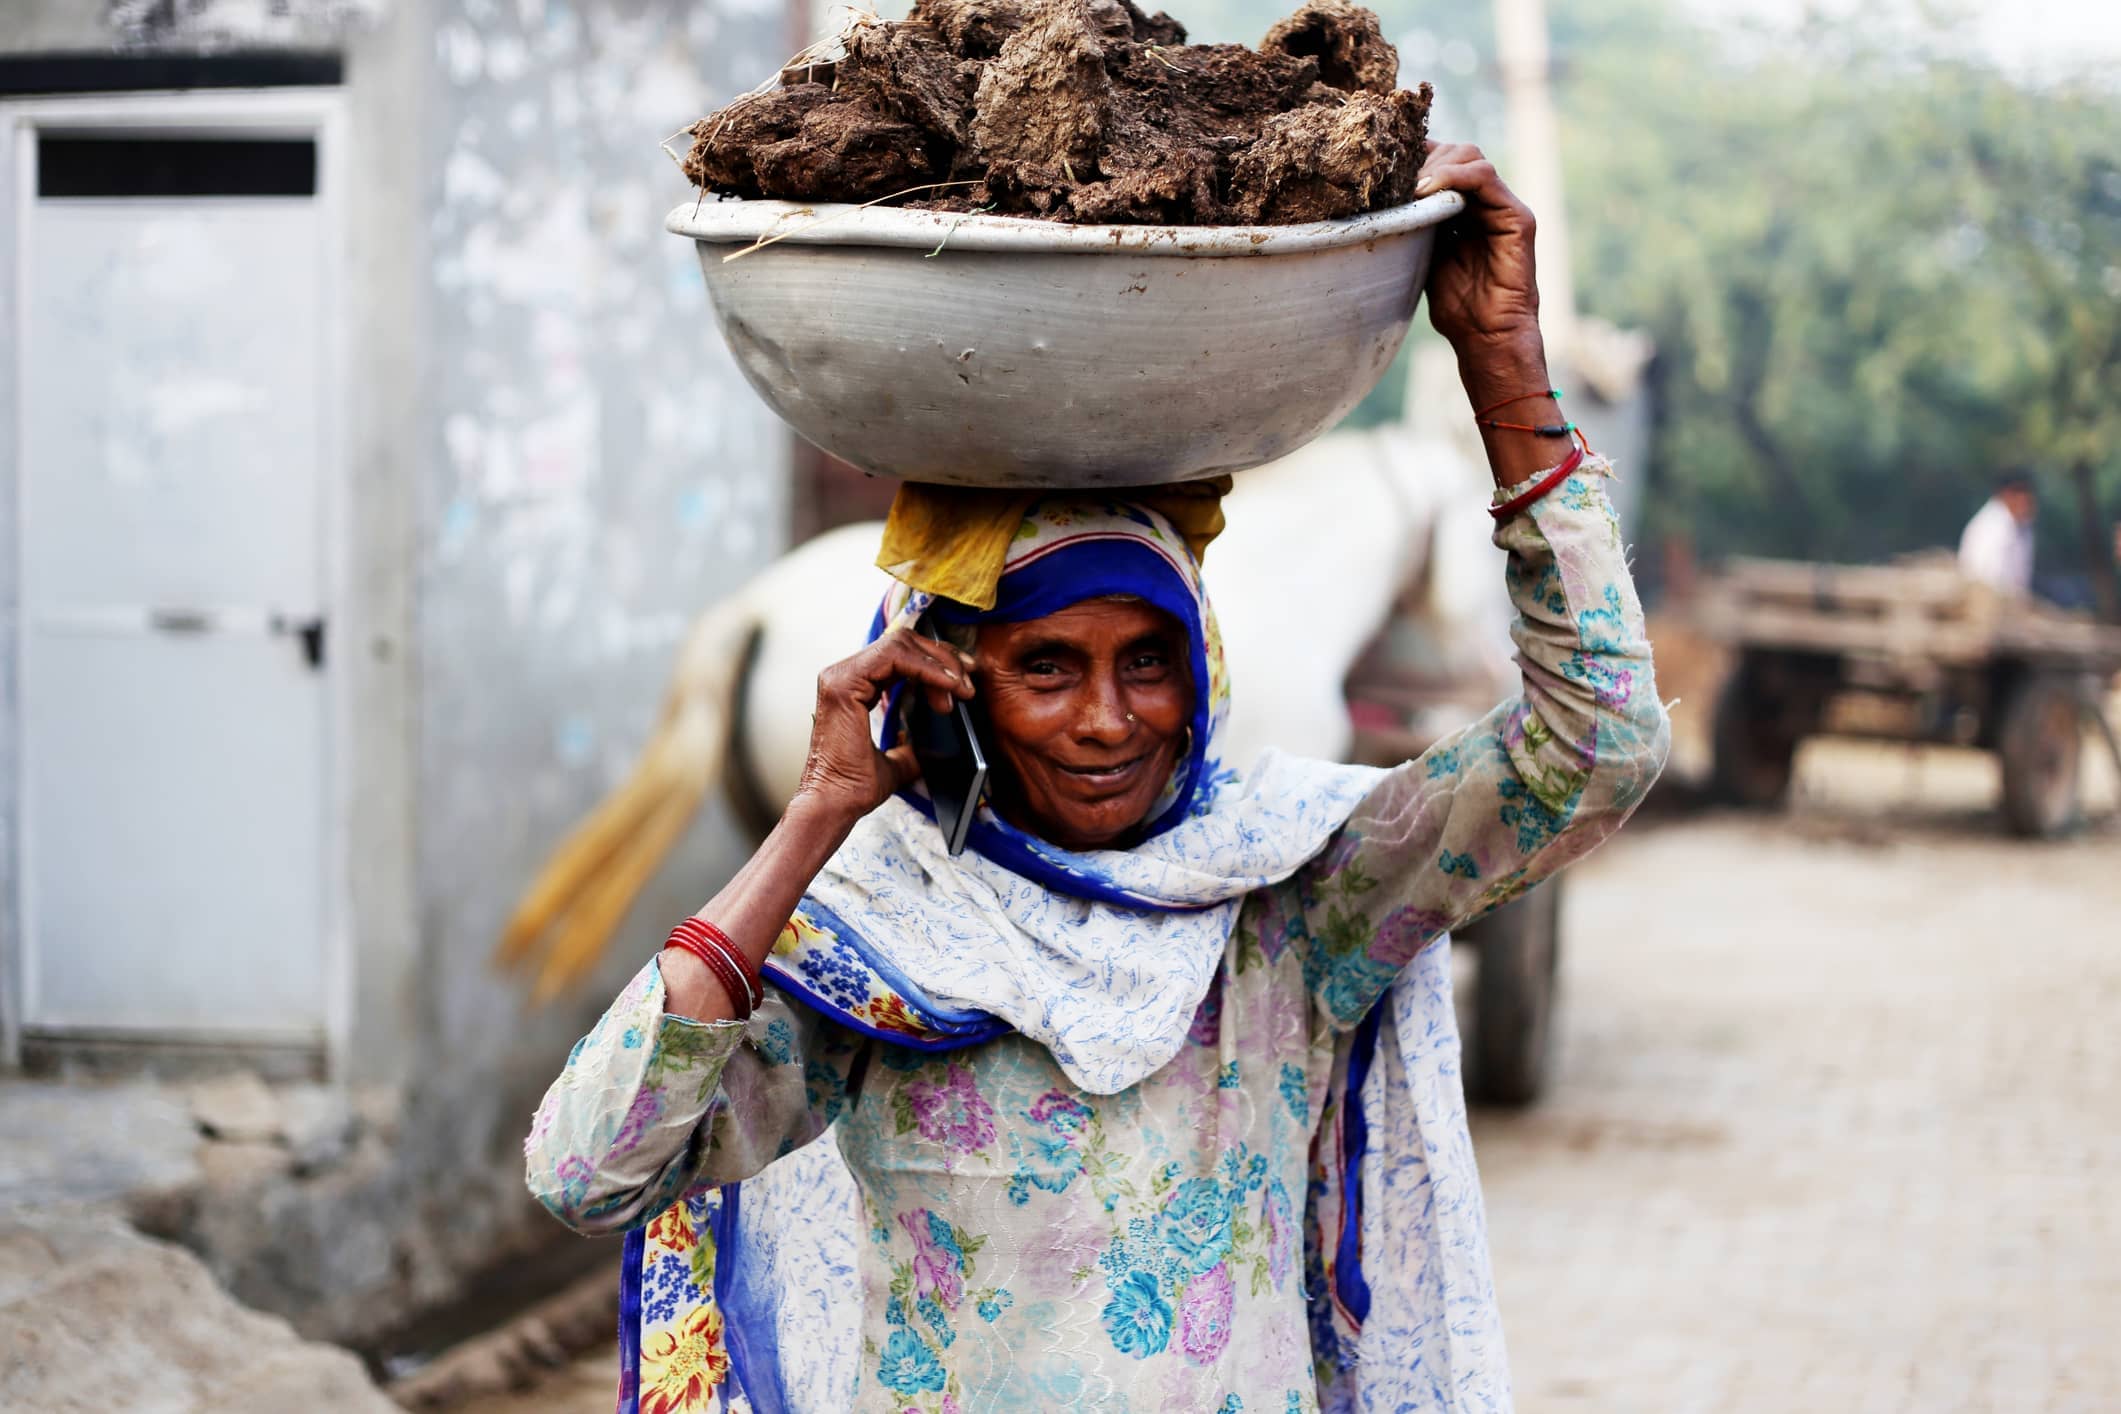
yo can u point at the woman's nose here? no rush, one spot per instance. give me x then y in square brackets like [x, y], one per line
[1104, 717]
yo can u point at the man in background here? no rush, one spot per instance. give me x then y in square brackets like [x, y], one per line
[1997, 545]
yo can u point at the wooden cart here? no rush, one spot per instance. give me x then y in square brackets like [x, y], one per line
[1910, 651]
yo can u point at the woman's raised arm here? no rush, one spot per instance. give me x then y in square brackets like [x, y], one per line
[1541, 780]
[1483, 296]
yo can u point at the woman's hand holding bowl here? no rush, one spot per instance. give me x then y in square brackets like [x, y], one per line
[1483, 298]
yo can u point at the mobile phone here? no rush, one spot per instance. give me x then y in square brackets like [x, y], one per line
[953, 766]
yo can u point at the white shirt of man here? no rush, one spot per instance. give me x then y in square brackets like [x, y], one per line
[1996, 550]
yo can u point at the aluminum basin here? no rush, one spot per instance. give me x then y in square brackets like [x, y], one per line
[998, 351]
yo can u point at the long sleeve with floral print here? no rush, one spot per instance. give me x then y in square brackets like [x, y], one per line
[652, 1104]
[1030, 1245]
[1541, 780]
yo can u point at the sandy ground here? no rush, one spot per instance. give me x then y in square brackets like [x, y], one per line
[585, 1387]
[1835, 1123]
[1834, 1128]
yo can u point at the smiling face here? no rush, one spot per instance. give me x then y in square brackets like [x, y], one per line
[1087, 709]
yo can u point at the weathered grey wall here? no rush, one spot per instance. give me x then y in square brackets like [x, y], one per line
[36, 26]
[600, 473]
[555, 466]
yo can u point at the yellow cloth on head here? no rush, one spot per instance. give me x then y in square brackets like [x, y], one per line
[953, 540]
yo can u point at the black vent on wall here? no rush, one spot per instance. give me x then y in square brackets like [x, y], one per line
[138, 166]
[123, 73]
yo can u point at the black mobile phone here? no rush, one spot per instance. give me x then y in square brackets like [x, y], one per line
[953, 766]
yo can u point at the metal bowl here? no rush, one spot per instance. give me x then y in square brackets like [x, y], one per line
[999, 351]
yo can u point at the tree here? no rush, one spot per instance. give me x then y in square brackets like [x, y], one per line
[1877, 274]
[1878, 271]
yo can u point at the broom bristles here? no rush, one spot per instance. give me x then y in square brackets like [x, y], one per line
[582, 891]
[587, 929]
[589, 847]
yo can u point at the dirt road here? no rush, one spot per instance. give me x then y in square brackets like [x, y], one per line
[1837, 1124]
[1836, 1127]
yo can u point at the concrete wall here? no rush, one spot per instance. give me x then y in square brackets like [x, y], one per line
[600, 474]
[47, 26]
[555, 466]
[390, 356]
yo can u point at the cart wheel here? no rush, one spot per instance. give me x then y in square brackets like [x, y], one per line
[1755, 755]
[1519, 947]
[2040, 742]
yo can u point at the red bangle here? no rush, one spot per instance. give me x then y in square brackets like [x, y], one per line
[1540, 487]
[713, 948]
[700, 927]
[724, 975]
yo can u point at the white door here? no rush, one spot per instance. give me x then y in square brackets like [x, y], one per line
[174, 631]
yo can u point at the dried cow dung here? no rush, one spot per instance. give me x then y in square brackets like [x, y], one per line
[1082, 110]
[1345, 41]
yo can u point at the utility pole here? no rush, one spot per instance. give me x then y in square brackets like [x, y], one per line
[1523, 55]
[1599, 365]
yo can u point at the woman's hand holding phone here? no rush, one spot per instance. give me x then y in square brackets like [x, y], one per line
[845, 774]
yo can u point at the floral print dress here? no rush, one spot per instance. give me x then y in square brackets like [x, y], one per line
[1030, 1245]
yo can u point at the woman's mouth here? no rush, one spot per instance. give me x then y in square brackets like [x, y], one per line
[1113, 774]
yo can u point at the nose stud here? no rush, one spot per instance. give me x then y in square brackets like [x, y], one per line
[1132, 718]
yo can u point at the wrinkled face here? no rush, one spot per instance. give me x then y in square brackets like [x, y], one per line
[1087, 712]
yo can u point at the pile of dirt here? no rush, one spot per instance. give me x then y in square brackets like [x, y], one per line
[1082, 110]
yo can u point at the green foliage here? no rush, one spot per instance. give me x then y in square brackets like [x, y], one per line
[1878, 271]
[1876, 276]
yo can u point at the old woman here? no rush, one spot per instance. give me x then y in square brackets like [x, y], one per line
[1149, 1097]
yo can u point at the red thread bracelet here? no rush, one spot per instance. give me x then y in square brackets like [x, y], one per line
[1554, 393]
[1540, 487]
[720, 956]
[1541, 429]
[1537, 429]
